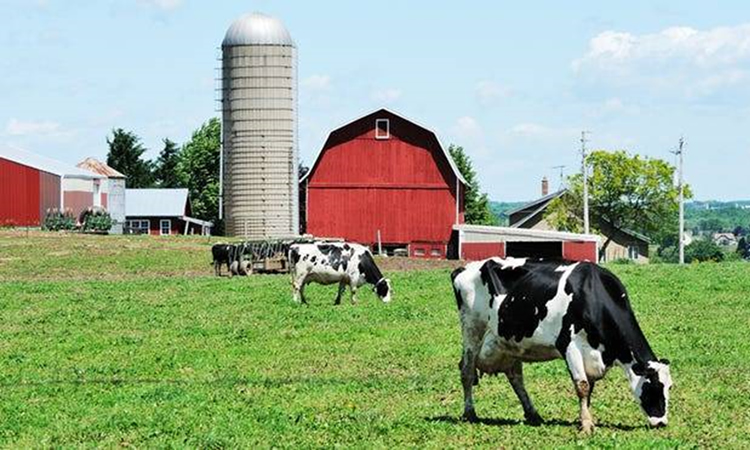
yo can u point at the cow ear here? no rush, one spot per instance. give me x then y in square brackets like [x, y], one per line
[664, 361]
[639, 369]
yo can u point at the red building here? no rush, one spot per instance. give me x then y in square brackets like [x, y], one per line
[31, 184]
[161, 212]
[385, 176]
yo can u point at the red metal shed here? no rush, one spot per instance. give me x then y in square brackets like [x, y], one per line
[476, 242]
[385, 175]
[31, 184]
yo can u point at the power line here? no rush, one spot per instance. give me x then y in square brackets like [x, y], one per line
[584, 169]
[562, 175]
[681, 186]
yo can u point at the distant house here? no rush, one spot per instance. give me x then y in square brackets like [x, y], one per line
[623, 244]
[724, 239]
[162, 212]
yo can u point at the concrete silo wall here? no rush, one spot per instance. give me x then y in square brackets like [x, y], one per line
[259, 101]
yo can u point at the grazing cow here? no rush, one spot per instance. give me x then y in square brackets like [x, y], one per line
[331, 263]
[521, 310]
[223, 254]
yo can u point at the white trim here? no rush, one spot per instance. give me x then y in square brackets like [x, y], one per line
[387, 134]
[447, 155]
[515, 233]
[161, 227]
[202, 223]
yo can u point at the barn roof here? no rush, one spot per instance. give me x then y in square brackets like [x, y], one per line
[39, 162]
[155, 202]
[432, 134]
[96, 166]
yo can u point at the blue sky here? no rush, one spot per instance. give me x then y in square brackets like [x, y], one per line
[513, 82]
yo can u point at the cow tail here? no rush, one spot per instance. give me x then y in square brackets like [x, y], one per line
[454, 275]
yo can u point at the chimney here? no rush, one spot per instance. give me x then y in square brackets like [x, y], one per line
[545, 187]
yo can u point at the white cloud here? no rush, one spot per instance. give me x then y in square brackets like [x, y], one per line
[467, 128]
[164, 5]
[532, 130]
[317, 83]
[386, 96]
[693, 62]
[17, 127]
[489, 92]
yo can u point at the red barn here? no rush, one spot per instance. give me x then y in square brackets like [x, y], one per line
[383, 175]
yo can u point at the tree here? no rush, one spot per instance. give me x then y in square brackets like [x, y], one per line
[629, 192]
[166, 173]
[701, 250]
[476, 203]
[199, 170]
[743, 248]
[125, 152]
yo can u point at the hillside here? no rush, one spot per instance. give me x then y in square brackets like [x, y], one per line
[500, 209]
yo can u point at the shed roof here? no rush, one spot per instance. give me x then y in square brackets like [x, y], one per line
[156, 202]
[96, 166]
[447, 155]
[39, 162]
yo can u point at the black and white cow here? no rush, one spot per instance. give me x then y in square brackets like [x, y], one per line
[521, 310]
[222, 254]
[330, 263]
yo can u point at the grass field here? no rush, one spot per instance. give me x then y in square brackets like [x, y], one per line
[115, 341]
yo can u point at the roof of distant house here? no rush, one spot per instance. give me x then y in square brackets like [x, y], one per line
[39, 162]
[96, 166]
[536, 207]
[155, 202]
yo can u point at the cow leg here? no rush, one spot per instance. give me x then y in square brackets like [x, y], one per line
[583, 387]
[353, 287]
[472, 338]
[298, 287]
[217, 269]
[342, 288]
[515, 377]
[302, 293]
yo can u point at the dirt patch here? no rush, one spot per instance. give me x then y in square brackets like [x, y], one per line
[397, 264]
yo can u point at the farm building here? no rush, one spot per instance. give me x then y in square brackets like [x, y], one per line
[161, 212]
[475, 242]
[114, 189]
[619, 243]
[383, 178]
[31, 184]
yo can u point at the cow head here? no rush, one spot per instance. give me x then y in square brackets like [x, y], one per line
[651, 382]
[383, 289]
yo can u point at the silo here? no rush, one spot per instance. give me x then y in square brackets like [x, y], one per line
[259, 108]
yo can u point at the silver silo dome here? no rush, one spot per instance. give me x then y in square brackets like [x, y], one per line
[259, 108]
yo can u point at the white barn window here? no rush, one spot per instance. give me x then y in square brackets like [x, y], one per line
[165, 227]
[382, 129]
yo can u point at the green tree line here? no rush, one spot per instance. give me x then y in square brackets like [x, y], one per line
[194, 165]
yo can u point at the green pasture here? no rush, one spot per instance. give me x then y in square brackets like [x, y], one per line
[120, 342]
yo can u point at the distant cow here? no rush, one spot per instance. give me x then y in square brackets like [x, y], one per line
[521, 310]
[223, 254]
[331, 263]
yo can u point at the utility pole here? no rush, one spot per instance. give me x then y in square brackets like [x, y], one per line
[681, 187]
[562, 175]
[584, 168]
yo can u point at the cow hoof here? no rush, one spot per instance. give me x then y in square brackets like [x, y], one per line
[534, 420]
[587, 428]
[470, 416]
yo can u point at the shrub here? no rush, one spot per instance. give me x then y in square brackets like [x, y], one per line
[702, 250]
[96, 219]
[56, 220]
